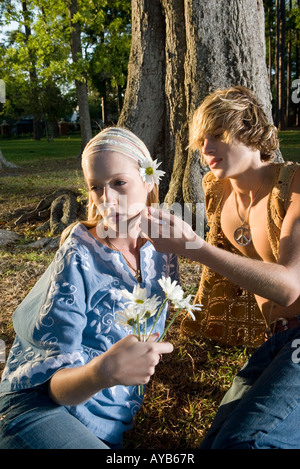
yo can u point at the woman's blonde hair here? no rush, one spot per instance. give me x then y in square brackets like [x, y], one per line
[239, 115]
[93, 215]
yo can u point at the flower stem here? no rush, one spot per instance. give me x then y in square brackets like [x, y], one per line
[170, 323]
[138, 326]
[134, 329]
[157, 318]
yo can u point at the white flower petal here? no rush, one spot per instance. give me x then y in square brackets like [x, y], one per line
[149, 171]
[137, 296]
[173, 290]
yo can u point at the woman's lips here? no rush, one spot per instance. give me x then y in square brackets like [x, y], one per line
[214, 163]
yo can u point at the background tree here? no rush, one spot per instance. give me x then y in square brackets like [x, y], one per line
[280, 64]
[28, 63]
[81, 79]
[282, 36]
[109, 41]
[181, 51]
[57, 44]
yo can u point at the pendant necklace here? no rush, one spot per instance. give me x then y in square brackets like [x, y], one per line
[242, 234]
[137, 272]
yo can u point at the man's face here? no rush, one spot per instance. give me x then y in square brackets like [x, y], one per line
[227, 160]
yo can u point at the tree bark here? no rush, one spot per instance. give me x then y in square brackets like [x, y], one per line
[176, 124]
[280, 71]
[37, 128]
[144, 102]
[288, 75]
[270, 45]
[81, 84]
[181, 51]
[297, 74]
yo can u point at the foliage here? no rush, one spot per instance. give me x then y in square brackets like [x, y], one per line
[35, 57]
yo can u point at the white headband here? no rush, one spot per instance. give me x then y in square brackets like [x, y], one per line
[127, 143]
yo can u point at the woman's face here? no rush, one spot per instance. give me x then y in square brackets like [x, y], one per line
[116, 186]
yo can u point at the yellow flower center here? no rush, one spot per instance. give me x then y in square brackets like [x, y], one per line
[149, 171]
[131, 322]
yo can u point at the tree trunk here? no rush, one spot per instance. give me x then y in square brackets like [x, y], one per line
[104, 103]
[288, 74]
[81, 85]
[144, 102]
[270, 46]
[176, 96]
[182, 51]
[280, 72]
[297, 74]
[37, 128]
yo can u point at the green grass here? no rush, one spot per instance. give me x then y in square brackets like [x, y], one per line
[22, 151]
[290, 145]
[43, 167]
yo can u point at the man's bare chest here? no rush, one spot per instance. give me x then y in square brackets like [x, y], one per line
[242, 226]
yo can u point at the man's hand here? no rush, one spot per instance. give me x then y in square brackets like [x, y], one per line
[169, 233]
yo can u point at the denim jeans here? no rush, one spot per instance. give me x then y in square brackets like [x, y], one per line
[262, 408]
[29, 419]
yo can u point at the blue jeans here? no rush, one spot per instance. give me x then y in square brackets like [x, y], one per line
[29, 419]
[262, 408]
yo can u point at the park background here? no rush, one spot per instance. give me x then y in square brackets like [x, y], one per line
[71, 68]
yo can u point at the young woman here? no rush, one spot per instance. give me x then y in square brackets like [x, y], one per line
[72, 375]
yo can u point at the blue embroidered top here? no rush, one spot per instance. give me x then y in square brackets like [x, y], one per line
[68, 318]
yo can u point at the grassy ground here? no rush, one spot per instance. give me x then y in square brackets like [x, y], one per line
[290, 145]
[183, 396]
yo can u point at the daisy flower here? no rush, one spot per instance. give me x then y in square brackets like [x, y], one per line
[128, 317]
[151, 305]
[173, 291]
[137, 297]
[185, 304]
[149, 171]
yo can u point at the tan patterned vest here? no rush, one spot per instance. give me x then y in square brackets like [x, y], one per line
[230, 314]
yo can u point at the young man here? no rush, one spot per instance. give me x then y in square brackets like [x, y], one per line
[253, 251]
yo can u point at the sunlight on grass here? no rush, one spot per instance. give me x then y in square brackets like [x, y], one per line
[22, 151]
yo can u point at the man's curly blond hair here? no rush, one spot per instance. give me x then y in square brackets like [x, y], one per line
[234, 113]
